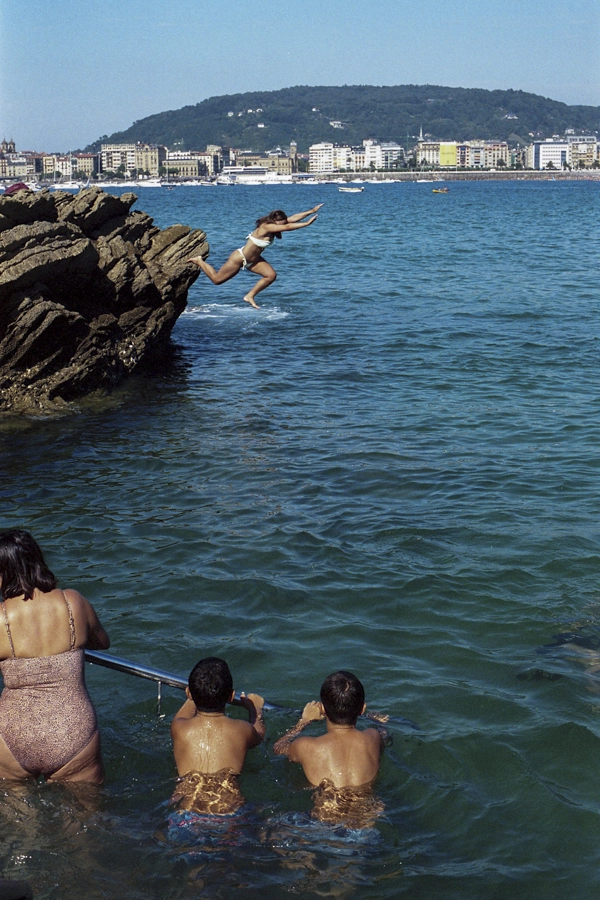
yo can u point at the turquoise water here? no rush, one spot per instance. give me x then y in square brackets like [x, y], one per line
[392, 467]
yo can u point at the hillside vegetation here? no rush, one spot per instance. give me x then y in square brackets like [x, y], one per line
[396, 113]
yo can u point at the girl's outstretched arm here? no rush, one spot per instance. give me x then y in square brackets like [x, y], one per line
[299, 216]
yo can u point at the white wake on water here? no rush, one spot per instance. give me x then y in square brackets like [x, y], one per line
[229, 311]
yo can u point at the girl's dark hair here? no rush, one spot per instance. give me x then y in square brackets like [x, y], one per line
[22, 566]
[277, 215]
[343, 698]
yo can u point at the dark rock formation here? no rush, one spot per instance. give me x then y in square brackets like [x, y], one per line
[89, 290]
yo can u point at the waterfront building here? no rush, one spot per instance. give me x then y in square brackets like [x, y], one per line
[320, 158]
[380, 156]
[359, 159]
[149, 158]
[183, 164]
[87, 164]
[329, 158]
[476, 154]
[220, 156]
[116, 156]
[146, 158]
[462, 155]
[14, 166]
[274, 161]
[583, 150]
[448, 154]
[497, 154]
[548, 154]
[466, 154]
[427, 153]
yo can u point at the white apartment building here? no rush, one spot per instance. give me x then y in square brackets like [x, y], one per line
[328, 158]
[380, 156]
[113, 156]
[546, 154]
[141, 157]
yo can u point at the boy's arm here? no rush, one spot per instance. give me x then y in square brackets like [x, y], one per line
[379, 719]
[312, 712]
[254, 703]
[187, 711]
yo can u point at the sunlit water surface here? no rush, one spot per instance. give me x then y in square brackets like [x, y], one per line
[393, 468]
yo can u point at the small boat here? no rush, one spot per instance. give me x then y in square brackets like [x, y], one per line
[443, 190]
[67, 186]
[351, 190]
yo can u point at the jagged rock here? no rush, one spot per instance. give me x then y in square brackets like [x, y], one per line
[89, 290]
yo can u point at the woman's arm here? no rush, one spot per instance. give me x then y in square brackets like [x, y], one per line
[275, 227]
[299, 216]
[97, 637]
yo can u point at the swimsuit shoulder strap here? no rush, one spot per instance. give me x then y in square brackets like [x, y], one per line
[10, 640]
[71, 621]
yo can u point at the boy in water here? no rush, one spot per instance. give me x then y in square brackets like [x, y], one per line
[209, 747]
[343, 762]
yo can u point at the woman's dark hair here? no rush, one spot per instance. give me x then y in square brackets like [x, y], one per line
[210, 684]
[343, 698]
[22, 566]
[277, 215]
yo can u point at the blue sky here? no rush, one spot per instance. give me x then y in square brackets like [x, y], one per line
[73, 71]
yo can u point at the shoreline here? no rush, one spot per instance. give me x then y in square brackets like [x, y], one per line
[352, 178]
[440, 175]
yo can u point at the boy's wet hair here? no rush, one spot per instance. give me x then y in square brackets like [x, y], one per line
[343, 698]
[22, 565]
[211, 684]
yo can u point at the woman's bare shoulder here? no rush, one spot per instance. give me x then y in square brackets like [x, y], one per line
[77, 601]
[73, 596]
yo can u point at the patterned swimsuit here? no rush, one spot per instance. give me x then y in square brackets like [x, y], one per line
[46, 715]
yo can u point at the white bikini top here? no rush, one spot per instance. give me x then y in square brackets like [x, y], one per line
[259, 241]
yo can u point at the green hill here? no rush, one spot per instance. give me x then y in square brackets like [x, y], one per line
[396, 113]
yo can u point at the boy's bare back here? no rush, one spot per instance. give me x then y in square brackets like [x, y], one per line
[344, 756]
[208, 742]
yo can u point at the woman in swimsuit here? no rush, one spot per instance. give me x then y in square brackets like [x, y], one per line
[250, 255]
[47, 721]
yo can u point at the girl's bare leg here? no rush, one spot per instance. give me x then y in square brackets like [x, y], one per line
[228, 270]
[269, 275]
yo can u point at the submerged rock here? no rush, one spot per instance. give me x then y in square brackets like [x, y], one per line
[89, 290]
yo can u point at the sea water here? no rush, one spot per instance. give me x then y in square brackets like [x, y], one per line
[392, 467]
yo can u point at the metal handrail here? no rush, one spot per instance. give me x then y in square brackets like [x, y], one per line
[160, 676]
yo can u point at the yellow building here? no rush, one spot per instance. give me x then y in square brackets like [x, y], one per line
[448, 155]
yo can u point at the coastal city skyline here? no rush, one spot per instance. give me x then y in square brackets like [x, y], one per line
[130, 60]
